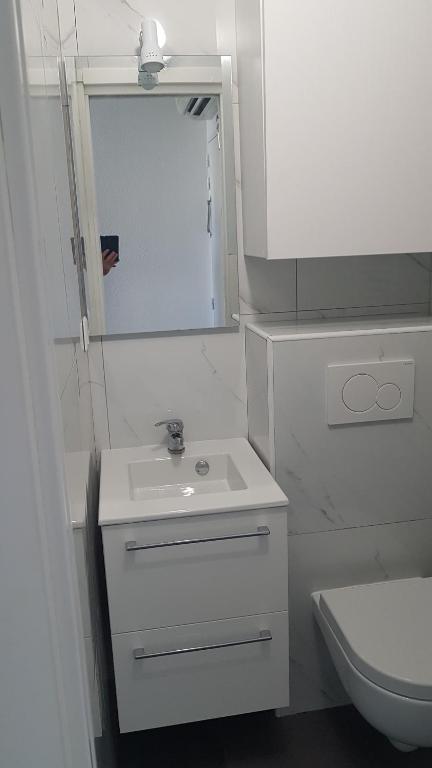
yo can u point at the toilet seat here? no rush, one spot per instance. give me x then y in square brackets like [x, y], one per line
[385, 630]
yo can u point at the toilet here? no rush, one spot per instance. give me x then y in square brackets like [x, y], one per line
[380, 639]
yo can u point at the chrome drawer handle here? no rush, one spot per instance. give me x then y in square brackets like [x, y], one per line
[262, 637]
[262, 530]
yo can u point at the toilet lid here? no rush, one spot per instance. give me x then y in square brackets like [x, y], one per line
[385, 630]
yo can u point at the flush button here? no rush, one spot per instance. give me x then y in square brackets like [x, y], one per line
[389, 396]
[360, 393]
[381, 390]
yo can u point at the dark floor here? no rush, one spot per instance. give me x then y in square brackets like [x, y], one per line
[332, 738]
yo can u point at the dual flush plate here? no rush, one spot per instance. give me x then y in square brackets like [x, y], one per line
[364, 392]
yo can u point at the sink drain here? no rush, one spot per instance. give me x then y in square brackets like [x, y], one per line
[202, 467]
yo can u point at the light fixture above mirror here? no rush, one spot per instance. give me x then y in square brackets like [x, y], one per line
[150, 61]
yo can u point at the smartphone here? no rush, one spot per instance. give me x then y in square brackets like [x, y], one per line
[110, 243]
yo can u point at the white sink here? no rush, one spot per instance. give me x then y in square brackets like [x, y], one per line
[180, 476]
[212, 476]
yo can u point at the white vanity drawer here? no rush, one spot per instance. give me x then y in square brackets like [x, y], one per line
[236, 565]
[245, 671]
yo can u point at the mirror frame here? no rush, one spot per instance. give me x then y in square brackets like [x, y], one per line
[48, 78]
[78, 251]
[209, 75]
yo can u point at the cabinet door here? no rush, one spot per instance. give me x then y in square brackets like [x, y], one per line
[229, 667]
[348, 115]
[196, 569]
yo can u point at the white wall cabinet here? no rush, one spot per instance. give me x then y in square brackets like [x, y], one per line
[336, 126]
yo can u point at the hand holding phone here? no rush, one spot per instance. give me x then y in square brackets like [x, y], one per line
[110, 252]
[110, 243]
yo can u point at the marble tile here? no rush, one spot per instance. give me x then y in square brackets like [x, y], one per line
[363, 281]
[31, 16]
[41, 26]
[68, 37]
[85, 399]
[50, 28]
[67, 381]
[64, 360]
[335, 559]
[71, 415]
[196, 377]
[73, 386]
[98, 393]
[226, 37]
[113, 25]
[422, 310]
[266, 286]
[258, 396]
[357, 474]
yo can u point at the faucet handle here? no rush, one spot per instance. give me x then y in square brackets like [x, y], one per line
[172, 425]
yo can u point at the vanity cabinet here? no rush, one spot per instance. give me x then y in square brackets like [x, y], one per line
[335, 126]
[199, 616]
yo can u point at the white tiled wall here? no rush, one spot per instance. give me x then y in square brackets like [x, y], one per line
[357, 281]
[201, 377]
[196, 377]
[358, 474]
[112, 26]
[315, 287]
[69, 391]
[360, 494]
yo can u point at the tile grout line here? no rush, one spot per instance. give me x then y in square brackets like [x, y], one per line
[106, 393]
[361, 526]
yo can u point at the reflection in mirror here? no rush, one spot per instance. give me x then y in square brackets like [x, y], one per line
[157, 190]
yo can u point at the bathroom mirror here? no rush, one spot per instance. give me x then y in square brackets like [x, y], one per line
[157, 194]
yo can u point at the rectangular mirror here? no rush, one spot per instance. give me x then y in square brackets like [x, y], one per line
[157, 197]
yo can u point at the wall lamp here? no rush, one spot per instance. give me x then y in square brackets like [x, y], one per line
[151, 62]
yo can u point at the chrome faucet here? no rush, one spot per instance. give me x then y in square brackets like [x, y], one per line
[175, 434]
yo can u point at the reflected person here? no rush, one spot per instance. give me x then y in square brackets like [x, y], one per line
[109, 261]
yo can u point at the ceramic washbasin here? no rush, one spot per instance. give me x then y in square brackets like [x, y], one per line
[182, 476]
[211, 476]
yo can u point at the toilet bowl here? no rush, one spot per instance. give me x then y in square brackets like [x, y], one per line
[380, 639]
